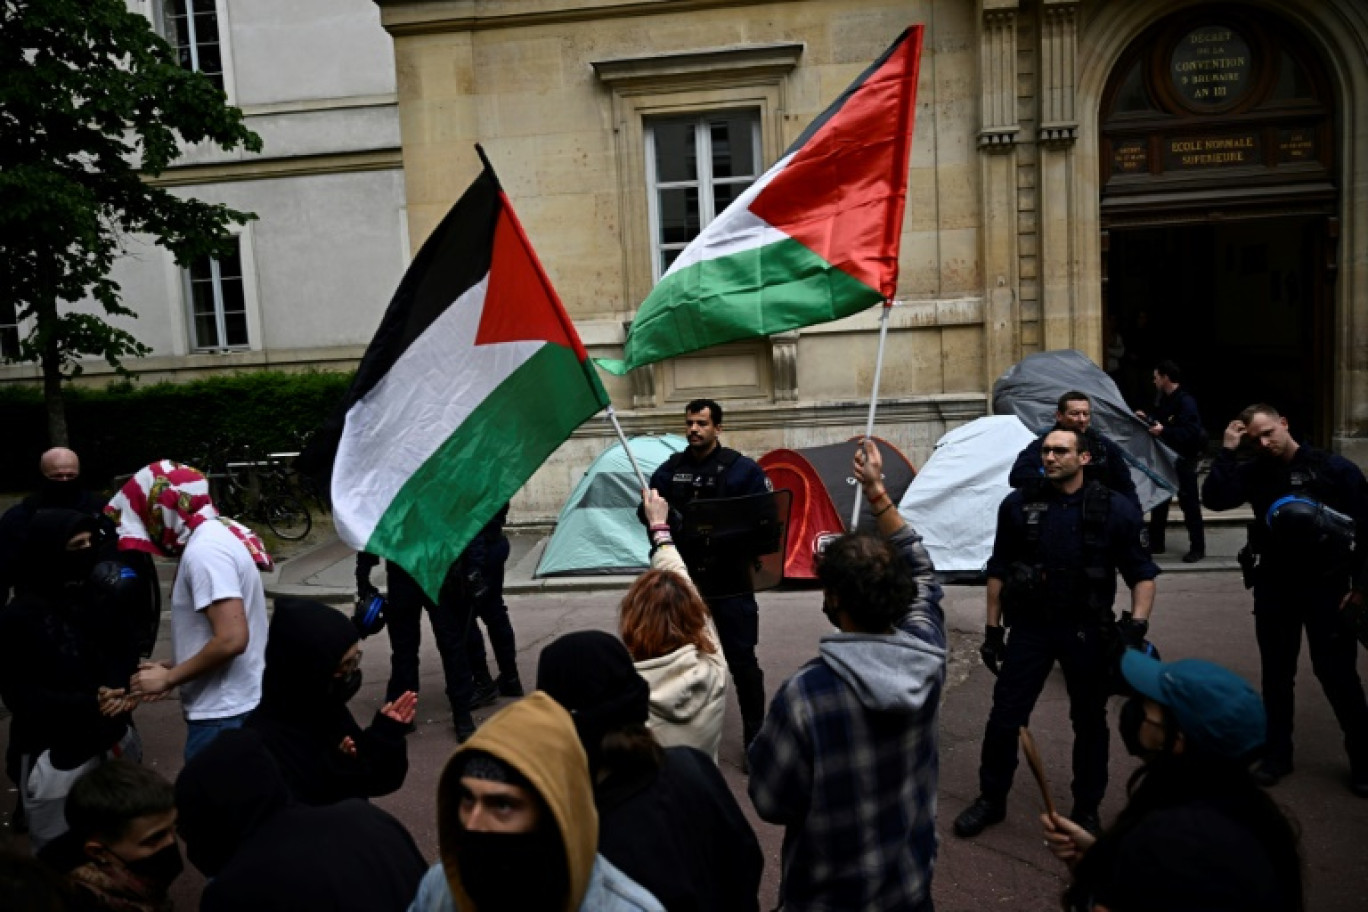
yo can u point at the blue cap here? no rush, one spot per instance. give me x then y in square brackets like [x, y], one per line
[1216, 710]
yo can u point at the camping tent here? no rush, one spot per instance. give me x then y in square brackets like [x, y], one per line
[597, 531]
[1030, 389]
[823, 494]
[954, 499]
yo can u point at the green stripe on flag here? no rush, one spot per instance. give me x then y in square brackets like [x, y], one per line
[491, 455]
[752, 293]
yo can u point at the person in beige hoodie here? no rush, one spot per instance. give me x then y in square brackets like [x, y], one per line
[517, 829]
[674, 644]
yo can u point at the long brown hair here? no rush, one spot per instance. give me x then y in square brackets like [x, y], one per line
[661, 613]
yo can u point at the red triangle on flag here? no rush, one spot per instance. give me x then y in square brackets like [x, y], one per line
[521, 305]
[843, 193]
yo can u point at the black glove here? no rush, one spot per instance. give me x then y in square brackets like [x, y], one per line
[994, 648]
[366, 592]
[1132, 630]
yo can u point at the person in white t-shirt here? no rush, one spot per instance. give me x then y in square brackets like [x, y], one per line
[218, 604]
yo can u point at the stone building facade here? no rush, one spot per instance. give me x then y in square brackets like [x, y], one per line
[312, 274]
[1146, 179]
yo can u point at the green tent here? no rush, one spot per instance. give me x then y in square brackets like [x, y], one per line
[597, 532]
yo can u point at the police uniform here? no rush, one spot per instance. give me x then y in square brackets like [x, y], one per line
[1106, 465]
[1295, 589]
[1183, 433]
[681, 479]
[1057, 555]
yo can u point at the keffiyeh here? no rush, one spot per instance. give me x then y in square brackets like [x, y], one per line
[158, 508]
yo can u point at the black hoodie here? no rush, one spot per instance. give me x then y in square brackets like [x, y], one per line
[302, 721]
[265, 854]
[56, 651]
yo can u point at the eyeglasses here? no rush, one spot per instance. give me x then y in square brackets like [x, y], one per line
[1056, 451]
[350, 665]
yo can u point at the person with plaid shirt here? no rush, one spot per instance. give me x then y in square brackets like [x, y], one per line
[847, 758]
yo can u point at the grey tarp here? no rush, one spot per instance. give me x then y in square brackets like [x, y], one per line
[598, 531]
[1030, 389]
[954, 499]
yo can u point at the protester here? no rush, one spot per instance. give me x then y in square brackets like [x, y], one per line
[120, 853]
[667, 818]
[60, 489]
[61, 666]
[313, 667]
[516, 825]
[847, 758]
[218, 605]
[671, 637]
[706, 470]
[1197, 832]
[265, 855]
[28, 886]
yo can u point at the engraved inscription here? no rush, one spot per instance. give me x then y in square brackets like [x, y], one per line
[1211, 66]
[1130, 156]
[1208, 151]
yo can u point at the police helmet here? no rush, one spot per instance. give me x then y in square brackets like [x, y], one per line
[1297, 519]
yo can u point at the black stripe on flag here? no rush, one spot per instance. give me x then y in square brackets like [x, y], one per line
[845, 96]
[455, 257]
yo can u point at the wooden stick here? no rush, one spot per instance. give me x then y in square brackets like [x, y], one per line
[1033, 758]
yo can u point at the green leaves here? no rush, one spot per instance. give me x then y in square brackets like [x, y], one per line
[91, 102]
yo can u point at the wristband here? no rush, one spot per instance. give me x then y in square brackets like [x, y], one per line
[659, 527]
[890, 506]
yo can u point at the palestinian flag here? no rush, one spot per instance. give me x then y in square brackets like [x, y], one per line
[473, 379]
[814, 239]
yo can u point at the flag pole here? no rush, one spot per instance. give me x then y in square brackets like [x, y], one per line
[612, 416]
[873, 399]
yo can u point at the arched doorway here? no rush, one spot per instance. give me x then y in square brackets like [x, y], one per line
[1219, 194]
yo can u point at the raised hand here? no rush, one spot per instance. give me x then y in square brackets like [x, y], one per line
[402, 709]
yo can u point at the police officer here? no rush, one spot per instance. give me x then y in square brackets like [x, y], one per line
[1106, 461]
[1052, 578]
[1301, 577]
[1176, 421]
[706, 470]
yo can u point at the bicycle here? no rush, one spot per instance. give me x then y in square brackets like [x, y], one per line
[260, 489]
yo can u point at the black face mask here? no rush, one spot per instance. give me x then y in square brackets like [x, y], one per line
[1128, 725]
[60, 493]
[77, 566]
[517, 872]
[160, 868]
[344, 688]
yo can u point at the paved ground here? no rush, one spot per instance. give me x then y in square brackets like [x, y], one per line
[1197, 614]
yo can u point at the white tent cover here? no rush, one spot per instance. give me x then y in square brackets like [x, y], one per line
[954, 499]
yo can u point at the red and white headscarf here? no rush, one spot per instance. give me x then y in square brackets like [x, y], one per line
[158, 508]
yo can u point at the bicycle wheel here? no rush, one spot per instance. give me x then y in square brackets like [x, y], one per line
[287, 516]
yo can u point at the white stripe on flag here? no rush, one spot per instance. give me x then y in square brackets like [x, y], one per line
[736, 229]
[414, 409]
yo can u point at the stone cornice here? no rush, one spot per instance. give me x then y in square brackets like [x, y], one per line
[778, 59]
[270, 168]
[423, 17]
[947, 407]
